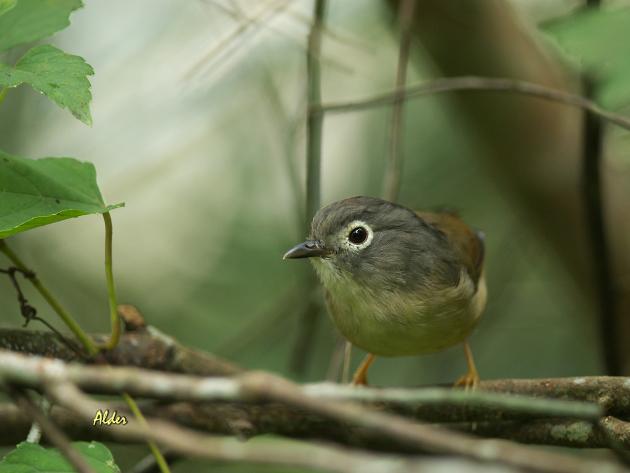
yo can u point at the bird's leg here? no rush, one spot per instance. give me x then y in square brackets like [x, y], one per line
[471, 379]
[360, 375]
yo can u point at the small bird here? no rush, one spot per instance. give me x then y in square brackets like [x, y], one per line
[398, 282]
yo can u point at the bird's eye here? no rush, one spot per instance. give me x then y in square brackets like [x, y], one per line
[358, 235]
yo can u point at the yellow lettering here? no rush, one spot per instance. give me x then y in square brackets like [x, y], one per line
[98, 417]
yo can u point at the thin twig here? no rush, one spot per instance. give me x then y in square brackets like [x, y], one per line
[477, 84]
[149, 465]
[314, 120]
[288, 126]
[76, 329]
[261, 17]
[53, 433]
[307, 332]
[242, 16]
[337, 362]
[592, 154]
[35, 434]
[28, 311]
[393, 171]
[314, 124]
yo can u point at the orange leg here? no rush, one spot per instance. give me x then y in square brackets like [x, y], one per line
[360, 375]
[471, 379]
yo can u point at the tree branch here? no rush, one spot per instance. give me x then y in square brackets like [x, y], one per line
[393, 170]
[258, 387]
[145, 347]
[477, 84]
[34, 371]
[275, 452]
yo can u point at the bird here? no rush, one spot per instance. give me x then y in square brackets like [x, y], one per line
[398, 282]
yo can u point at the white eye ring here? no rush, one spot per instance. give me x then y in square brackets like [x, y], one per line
[346, 234]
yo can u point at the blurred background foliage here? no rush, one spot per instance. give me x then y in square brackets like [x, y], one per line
[199, 114]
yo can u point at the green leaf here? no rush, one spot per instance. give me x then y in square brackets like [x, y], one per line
[36, 192]
[33, 458]
[30, 20]
[6, 5]
[60, 76]
[598, 41]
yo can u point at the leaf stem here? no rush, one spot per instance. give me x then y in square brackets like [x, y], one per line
[155, 450]
[111, 289]
[74, 327]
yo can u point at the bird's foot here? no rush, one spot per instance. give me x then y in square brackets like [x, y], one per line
[360, 379]
[469, 381]
[360, 375]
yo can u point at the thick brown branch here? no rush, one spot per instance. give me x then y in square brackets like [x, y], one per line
[249, 420]
[147, 347]
[611, 393]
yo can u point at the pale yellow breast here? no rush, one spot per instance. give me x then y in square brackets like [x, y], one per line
[390, 323]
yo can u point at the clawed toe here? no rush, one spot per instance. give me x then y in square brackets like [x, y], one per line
[469, 381]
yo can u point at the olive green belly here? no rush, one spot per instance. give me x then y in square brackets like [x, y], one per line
[395, 325]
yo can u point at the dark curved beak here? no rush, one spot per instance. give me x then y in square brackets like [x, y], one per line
[308, 249]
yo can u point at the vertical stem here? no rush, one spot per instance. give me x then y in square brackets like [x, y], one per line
[155, 450]
[593, 147]
[85, 340]
[315, 117]
[393, 170]
[111, 289]
[314, 124]
[592, 189]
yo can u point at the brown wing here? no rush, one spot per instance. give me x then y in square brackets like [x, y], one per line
[468, 244]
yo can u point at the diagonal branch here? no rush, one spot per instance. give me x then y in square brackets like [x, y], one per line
[273, 452]
[478, 84]
[53, 433]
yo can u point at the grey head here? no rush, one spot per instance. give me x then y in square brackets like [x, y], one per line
[378, 244]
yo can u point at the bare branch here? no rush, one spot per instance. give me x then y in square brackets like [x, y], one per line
[34, 371]
[148, 348]
[393, 171]
[246, 420]
[310, 316]
[478, 84]
[262, 387]
[275, 452]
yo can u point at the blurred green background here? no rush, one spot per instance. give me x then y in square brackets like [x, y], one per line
[201, 132]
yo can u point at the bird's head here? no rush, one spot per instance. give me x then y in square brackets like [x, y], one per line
[371, 241]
